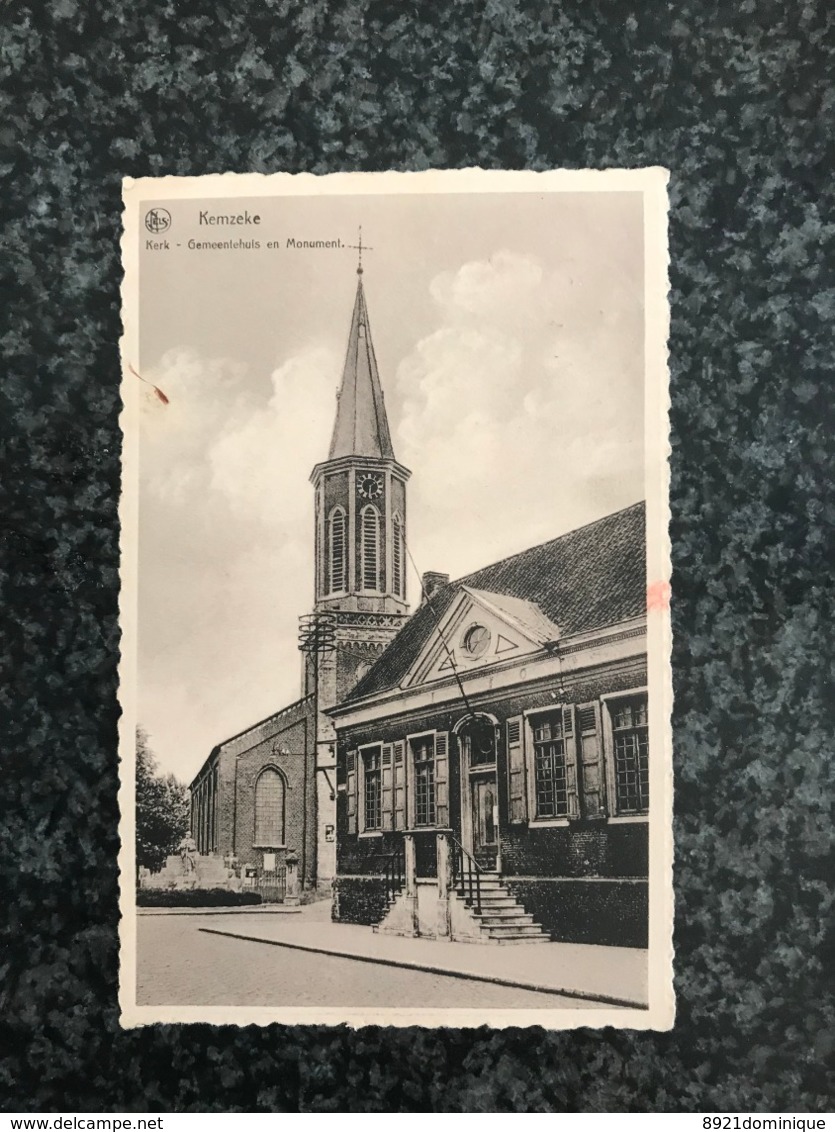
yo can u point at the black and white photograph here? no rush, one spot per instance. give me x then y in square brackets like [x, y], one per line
[395, 680]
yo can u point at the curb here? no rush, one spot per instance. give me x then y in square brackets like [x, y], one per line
[411, 965]
[247, 909]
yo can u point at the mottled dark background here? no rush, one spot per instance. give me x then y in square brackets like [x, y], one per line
[733, 97]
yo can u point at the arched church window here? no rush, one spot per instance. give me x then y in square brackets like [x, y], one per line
[397, 557]
[370, 548]
[269, 808]
[336, 557]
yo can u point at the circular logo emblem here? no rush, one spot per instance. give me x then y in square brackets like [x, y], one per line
[157, 220]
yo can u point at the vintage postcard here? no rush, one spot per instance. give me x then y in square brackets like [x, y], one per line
[395, 677]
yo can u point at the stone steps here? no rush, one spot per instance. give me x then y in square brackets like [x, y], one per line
[510, 920]
[517, 931]
[502, 919]
[503, 901]
[502, 912]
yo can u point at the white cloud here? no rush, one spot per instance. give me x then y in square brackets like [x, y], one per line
[507, 289]
[519, 412]
[225, 543]
[256, 464]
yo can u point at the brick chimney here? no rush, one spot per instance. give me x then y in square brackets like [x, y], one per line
[431, 582]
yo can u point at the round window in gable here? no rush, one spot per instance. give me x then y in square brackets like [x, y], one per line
[476, 639]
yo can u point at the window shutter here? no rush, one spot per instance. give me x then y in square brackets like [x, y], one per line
[352, 791]
[442, 779]
[516, 787]
[386, 775]
[591, 759]
[400, 785]
[570, 739]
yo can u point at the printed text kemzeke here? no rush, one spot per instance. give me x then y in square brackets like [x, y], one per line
[244, 217]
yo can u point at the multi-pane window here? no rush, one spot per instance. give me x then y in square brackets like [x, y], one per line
[631, 746]
[336, 557]
[370, 548]
[479, 741]
[423, 755]
[550, 774]
[372, 789]
[269, 809]
[397, 557]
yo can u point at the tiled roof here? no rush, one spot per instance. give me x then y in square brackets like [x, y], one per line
[587, 579]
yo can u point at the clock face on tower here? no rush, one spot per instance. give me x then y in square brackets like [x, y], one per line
[369, 485]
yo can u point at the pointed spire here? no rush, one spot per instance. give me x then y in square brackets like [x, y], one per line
[361, 427]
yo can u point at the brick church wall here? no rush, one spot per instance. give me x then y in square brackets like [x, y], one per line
[242, 759]
[292, 769]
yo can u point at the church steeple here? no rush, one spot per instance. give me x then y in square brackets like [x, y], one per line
[361, 491]
[361, 427]
[361, 523]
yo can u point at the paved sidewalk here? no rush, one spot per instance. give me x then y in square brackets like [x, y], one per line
[606, 975]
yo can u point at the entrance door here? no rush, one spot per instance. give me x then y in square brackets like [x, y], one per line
[484, 814]
[479, 791]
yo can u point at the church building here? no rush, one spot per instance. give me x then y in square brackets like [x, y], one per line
[271, 790]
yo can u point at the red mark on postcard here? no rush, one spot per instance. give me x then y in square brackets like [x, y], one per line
[155, 388]
[658, 596]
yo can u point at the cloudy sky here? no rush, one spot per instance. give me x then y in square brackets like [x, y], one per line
[509, 335]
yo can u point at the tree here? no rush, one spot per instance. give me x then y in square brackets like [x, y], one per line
[162, 808]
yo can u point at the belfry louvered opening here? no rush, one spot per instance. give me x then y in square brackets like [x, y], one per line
[336, 556]
[370, 548]
[397, 557]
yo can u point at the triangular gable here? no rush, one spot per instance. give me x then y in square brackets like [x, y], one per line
[525, 615]
[481, 629]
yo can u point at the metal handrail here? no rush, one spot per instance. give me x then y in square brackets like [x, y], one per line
[394, 870]
[466, 874]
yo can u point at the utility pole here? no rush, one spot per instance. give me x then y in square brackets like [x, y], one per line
[317, 638]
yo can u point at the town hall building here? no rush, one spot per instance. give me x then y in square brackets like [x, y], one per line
[493, 765]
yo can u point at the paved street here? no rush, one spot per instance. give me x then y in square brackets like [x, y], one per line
[180, 965]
